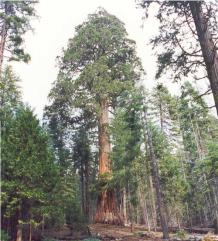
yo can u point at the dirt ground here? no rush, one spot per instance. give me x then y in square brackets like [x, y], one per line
[105, 232]
[111, 232]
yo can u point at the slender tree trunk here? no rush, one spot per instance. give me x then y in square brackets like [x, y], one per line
[153, 204]
[138, 216]
[147, 217]
[30, 231]
[124, 206]
[144, 206]
[150, 184]
[87, 203]
[154, 167]
[107, 211]
[130, 209]
[4, 32]
[19, 233]
[19, 228]
[12, 225]
[161, 116]
[43, 224]
[2, 44]
[151, 192]
[82, 189]
[207, 46]
[216, 208]
[189, 216]
[30, 226]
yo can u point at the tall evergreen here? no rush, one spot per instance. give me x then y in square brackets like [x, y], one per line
[28, 172]
[98, 65]
[188, 38]
[15, 22]
[126, 132]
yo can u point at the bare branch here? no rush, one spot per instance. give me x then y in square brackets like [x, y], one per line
[208, 92]
[184, 51]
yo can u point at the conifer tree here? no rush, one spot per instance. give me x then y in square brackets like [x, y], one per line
[188, 35]
[28, 172]
[15, 22]
[98, 65]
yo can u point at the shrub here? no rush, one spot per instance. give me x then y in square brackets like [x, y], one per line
[181, 234]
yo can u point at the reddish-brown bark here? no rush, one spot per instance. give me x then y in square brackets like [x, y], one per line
[104, 144]
[107, 211]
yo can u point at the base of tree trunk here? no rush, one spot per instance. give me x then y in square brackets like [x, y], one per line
[107, 211]
[216, 225]
[19, 233]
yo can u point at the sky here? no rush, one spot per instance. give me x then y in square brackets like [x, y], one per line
[55, 25]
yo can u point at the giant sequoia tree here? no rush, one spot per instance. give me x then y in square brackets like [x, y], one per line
[98, 65]
[188, 35]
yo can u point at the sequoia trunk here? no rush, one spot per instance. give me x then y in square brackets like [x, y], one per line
[207, 46]
[107, 211]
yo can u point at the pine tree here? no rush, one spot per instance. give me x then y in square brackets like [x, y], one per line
[156, 177]
[164, 113]
[82, 157]
[15, 22]
[126, 132]
[10, 93]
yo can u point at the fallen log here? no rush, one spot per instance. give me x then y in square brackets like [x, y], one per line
[200, 230]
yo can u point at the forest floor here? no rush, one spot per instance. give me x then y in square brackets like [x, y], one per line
[105, 232]
[138, 233]
[112, 232]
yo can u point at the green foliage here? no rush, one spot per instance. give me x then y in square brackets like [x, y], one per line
[193, 115]
[9, 90]
[10, 95]
[198, 140]
[209, 165]
[27, 157]
[64, 204]
[164, 107]
[104, 182]
[126, 131]
[4, 236]
[15, 19]
[99, 63]
[181, 234]
[45, 174]
[174, 186]
[178, 50]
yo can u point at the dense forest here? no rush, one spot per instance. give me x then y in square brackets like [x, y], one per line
[108, 150]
